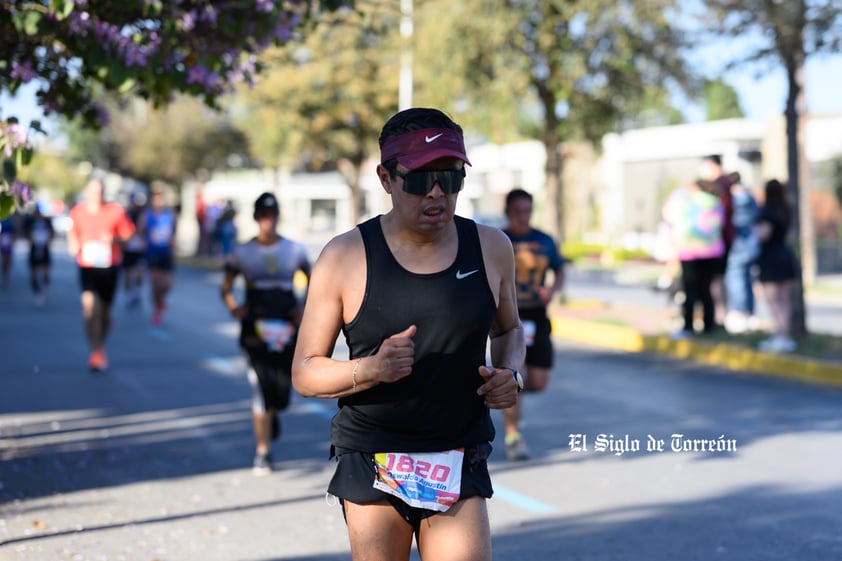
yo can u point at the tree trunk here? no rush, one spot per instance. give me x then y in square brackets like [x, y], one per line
[794, 109]
[554, 210]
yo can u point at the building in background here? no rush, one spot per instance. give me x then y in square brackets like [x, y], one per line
[613, 195]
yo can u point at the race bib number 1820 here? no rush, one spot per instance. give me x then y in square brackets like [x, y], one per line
[429, 480]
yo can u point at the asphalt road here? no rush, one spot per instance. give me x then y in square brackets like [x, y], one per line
[150, 460]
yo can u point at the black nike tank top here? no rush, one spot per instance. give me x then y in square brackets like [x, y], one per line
[436, 407]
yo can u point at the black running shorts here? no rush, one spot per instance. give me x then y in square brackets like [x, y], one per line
[39, 256]
[540, 352]
[131, 259]
[160, 261]
[353, 481]
[273, 369]
[102, 282]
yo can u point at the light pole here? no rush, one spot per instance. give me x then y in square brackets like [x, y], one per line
[405, 85]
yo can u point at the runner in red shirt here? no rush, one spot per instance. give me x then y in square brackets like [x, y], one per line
[95, 239]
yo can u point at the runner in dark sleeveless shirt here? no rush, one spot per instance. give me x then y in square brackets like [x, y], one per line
[417, 293]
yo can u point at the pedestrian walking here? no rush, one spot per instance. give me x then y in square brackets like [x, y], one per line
[99, 228]
[536, 255]
[269, 318]
[417, 292]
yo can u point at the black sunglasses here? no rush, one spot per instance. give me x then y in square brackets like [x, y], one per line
[421, 182]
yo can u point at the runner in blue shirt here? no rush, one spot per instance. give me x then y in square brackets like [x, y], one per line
[157, 228]
[536, 254]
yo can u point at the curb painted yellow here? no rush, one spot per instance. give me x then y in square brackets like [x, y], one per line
[717, 354]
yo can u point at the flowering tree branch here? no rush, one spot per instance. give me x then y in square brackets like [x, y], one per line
[74, 49]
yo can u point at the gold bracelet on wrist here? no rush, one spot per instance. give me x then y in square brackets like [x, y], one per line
[354, 374]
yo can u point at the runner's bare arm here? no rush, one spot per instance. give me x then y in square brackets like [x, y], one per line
[314, 372]
[507, 348]
[72, 242]
[336, 289]
[227, 294]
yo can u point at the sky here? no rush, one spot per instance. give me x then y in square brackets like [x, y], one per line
[765, 96]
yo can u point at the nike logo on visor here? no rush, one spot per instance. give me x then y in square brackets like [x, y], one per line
[460, 275]
[429, 139]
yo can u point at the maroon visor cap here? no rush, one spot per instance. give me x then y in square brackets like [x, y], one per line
[418, 148]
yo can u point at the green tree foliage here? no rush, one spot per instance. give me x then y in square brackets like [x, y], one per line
[321, 102]
[722, 101]
[788, 31]
[576, 68]
[147, 48]
[181, 141]
[53, 173]
[172, 144]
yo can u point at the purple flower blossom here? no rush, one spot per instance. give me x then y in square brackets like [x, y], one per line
[23, 71]
[79, 22]
[197, 74]
[188, 21]
[17, 134]
[22, 190]
[266, 6]
[208, 15]
[101, 116]
[282, 32]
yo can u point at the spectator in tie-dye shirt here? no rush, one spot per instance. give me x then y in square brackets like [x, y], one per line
[696, 217]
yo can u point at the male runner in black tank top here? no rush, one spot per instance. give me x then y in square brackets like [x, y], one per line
[417, 292]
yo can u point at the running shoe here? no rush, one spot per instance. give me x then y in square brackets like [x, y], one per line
[98, 361]
[158, 316]
[778, 344]
[262, 464]
[516, 449]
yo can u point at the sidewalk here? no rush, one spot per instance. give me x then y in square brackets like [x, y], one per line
[639, 328]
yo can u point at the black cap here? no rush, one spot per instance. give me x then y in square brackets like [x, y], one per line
[266, 201]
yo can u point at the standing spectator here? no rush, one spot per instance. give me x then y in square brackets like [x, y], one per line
[157, 228]
[39, 231]
[269, 319]
[226, 230]
[99, 229]
[777, 264]
[213, 212]
[696, 216]
[536, 254]
[416, 292]
[711, 170]
[203, 246]
[741, 258]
